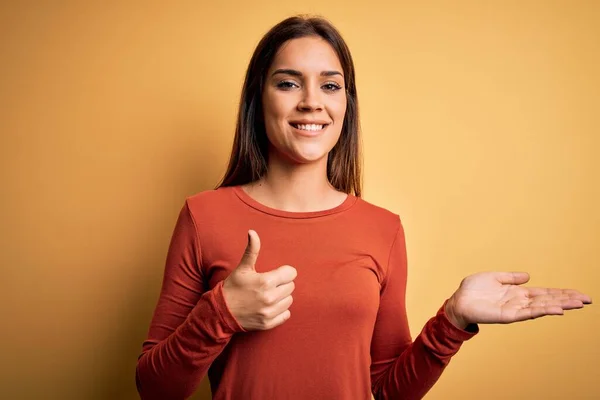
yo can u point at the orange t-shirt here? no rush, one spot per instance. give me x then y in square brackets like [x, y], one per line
[348, 334]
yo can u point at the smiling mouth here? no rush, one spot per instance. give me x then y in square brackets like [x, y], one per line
[309, 127]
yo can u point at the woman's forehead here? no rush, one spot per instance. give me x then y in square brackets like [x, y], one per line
[307, 54]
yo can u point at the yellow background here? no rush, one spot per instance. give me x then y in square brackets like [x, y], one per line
[481, 126]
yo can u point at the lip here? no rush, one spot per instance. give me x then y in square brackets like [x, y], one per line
[302, 132]
[308, 122]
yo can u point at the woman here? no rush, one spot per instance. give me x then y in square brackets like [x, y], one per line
[288, 219]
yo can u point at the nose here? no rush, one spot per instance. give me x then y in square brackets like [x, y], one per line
[311, 100]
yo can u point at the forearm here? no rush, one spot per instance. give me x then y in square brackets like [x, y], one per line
[421, 363]
[173, 367]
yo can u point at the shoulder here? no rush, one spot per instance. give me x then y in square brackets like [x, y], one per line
[211, 202]
[376, 211]
[211, 196]
[377, 219]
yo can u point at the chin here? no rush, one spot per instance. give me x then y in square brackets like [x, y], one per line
[306, 157]
[303, 153]
[309, 159]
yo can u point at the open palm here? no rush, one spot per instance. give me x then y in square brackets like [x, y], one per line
[496, 297]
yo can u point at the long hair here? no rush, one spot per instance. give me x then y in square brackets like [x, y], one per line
[248, 160]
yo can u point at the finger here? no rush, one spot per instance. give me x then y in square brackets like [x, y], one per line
[551, 298]
[570, 293]
[278, 320]
[274, 309]
[536, 312]
[564, 303]
[512, 278]
[577, 295]
[251, 251]
[537, 291]
[571, 304]
[282, 291]
[278, 276]
[280, 307]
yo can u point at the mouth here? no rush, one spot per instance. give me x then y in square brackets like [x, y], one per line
[309, 129]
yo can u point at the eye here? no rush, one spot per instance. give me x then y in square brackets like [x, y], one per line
[286, 85]
[331, 87]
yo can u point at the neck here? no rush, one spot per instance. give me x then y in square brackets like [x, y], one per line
[296, 187]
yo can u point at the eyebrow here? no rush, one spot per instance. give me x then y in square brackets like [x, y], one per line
[293, 72]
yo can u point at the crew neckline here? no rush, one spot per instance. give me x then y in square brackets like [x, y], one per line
[245, 197]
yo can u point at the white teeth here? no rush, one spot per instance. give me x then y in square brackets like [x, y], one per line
[310, 127]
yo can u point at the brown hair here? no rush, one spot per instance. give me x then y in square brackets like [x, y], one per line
[248, 160]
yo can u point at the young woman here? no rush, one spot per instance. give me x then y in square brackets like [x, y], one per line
[283, 283]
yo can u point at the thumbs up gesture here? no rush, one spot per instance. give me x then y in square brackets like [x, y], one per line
[259, 301]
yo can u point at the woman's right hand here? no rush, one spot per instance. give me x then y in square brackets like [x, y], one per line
[259, 301]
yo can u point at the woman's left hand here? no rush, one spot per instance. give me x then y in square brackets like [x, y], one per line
[496, 297]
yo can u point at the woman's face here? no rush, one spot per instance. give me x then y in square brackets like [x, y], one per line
[304, 100]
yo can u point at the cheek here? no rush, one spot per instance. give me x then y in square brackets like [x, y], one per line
[273, 113]
[340, 109]
[338, 113]
[275, 107]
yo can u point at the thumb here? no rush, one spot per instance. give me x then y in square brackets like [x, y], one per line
[251, 253]
[512, 278]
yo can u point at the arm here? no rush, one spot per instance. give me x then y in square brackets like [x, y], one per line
[189, 328]
[401, 368]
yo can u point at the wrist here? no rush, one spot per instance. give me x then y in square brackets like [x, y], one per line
[454, 316]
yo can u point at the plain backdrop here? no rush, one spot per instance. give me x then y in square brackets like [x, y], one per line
[481, 128]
